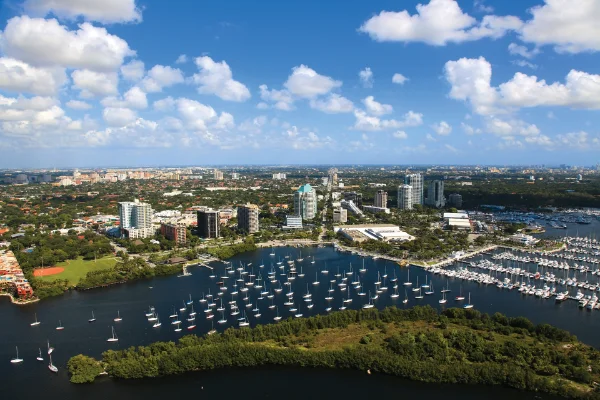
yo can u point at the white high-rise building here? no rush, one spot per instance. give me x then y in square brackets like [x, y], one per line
[381, 198]
[435, 194]
[305, 202]
[136, 216]
[279, 176]
[405, 197]
[416, 181]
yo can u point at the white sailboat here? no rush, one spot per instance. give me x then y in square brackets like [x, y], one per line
[93, 319]
[277, 318]
[222, 320]
[468, 305]
[316, 282]
[405, 298]
[369, 304]
[40, 358]
[50, 349]
[16, 360]
[178, 327]
[395, 295]
[114, 337]
[420, 296]
[36, 322]
[51, 366]
[118, 319]
[60, 327]
[363, 269]
[408, 282]
[417, 288]
[157, 323]
[443, 299]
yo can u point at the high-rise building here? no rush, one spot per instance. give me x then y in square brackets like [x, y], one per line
[405, 197]
[355, 197]
[305, 202]
[416, 181]
[279, 176]
[136, 219]
[174, 232]
[455, 200]
[340, 215]
[381, 198]
[435, 194]
[247, 216]
[218, 175]
[208, 224]
[235, 176]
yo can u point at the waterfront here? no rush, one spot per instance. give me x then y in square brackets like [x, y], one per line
[133, 299]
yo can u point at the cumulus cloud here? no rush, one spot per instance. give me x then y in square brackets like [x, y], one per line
[78, 105]
[400, 135]
[17, 76]
[518, 50]
[133, 70]
[306, 82]
[105, 11]
[182, 59]
[332, 104]
[281, 99]
[366, 122]
[366, 77]
[133, 98]
[93, 83]
[166, 104]
[118, 116]
[44, 42]
[510, 127]
[443, 128]
[436, 23]
[161, 76]
[216, 78]
[375, 108]
[399, 79]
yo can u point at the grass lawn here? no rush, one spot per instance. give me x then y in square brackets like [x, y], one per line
[76, 269]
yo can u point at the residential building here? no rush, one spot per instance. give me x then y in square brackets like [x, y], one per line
[373, 209]
[340, 215]
[279, 176]
[435, 194]
[208, 224]
[218, 175]
[174, 232]
[353, 208]
[405, 197]
[293, 222]
[305, 202]
[235, 176]
[455, 200]
[248, 218]
[381, 198]
[135, 219]
[416, 181]
[355, 197]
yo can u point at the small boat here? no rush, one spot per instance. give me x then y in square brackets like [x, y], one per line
[40, 358]
[183, 308]
[50, 349]
[443, 299]
[93, 319]
[114, 337]
[190, 301]
[190, 327]
[405, 298]
[277, 318]
[460, 297]
[118, 319]
[52, 367]
[16, 360]
[157, 323]
[420, 296]
[468, 305]
[178, 328]
[152, 318]
[36, 322]
[60, 327]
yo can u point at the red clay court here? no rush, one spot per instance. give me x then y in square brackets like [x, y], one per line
[47, 271]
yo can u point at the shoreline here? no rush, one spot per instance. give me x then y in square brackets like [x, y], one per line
[18, 302]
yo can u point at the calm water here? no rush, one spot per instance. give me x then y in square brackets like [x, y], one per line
[32, 378]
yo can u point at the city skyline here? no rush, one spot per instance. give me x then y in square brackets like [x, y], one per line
[452, 82]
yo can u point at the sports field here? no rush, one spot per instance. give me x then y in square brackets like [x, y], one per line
[75, 269]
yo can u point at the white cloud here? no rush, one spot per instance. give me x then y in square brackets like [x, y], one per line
[161, 76]
[430, 138]
[480, 6]
[469, 130]
[399, 79]
[133, 98]
[78, 105]
[523, 63]
[306, 82]
[166, 104]
[118, 116]
[518, 50]
[105, 11]
[182, 59]
[17, 76]
[400, 135]
[570, 26]
[42, 42]
[366, 77]
[333, 104]
[580, 140]
[133, 70]
[366, 122]
[93, 83]
[282, 99]
[511, 127]
[443, 128]
[202, 118]
[375, 108]
[436, 23]
[216, 78]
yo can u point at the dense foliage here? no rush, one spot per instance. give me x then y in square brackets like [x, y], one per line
[225, 252]
[126, 270]
[456, 346]
[83, 369]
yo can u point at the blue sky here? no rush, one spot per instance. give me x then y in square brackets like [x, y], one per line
[139, 82]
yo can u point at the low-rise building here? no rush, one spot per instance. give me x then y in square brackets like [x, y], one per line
[293, 222]
[174, 232]
[374, 209]
[521, 238]
[340, 215]
[381, 232]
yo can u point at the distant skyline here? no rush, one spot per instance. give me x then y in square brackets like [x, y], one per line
[383, 82]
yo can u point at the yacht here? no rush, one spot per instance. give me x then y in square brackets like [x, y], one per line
[468, 305]
[51, 366]
[60, 327]
[114, 336]
[93, 319]
[17, 360]
[118, 318]
[36, 322]
[40, 358]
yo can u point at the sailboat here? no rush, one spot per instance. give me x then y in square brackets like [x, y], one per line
[212, 329]
[405, 298]
[316, 282]
[369, 304]
[152, 318]
[190, 300]
[40, 358]
[93, 319]
[157, 323]
[183, 308]
[313, 260]
[468, 305]
[51, 366]
[190, 327]
[395, 294]
[178, 328]
[16, 360]
[277, 318]
[420, 296]
[300, 259]
[443, 299]
[36, 322]
[430, 291]
[447, 290]
[50, 349]
[245, 321]
[348, 299]
[460, 297]
[60, 327]
[114, 337]
[417, 288]
[426, 285]
[118, 319]
[301, 274]
[363, 269]
[222, 320]
[272, 252]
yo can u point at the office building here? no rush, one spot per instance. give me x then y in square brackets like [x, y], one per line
[435, 194]
[355, 197]
[279, 176]
[174, 232]
[218, 175]
[293, 222]
[340, 215]
[455, 200]
[416, 182]
[381, 198]
[353, 208]
[405, 197]
[208, 224]
[247, 216]
[305, 202]
[235, 176]
[135, 219]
